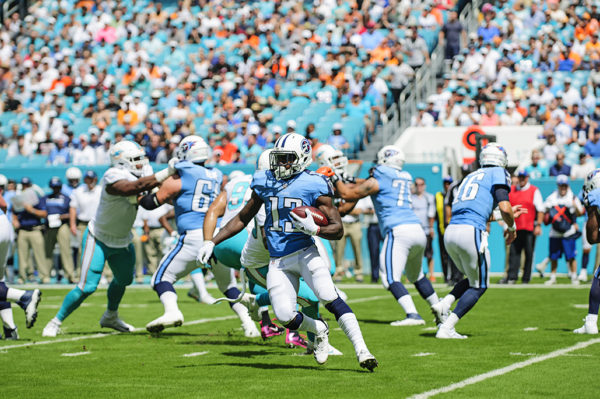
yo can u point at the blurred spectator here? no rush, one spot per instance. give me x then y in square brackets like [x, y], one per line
[169, 152]
[560, 168]
[423, 204]
[154, 148]
[550, 149]
[535, 169]
[29, 212]
[583, 168]
[337, 140]
[57, 229]
[592, 147]
[452, 32]
[415, 49]
[511, 117]
[490, 118]
[85, 154]
[422, 118]
[153, 230]
[60, 155]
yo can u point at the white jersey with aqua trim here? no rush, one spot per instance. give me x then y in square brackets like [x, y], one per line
[238, 194]
[115, 215]
[254, 254]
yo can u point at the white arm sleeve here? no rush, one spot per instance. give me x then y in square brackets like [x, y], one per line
[538, 201]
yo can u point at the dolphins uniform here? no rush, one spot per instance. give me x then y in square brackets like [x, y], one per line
[466, 235]
[199, 188]
[405, 240]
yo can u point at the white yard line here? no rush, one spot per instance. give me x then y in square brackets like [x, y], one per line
[505, 370]
[76, 354]
[194, 354]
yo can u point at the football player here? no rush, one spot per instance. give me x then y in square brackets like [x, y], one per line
[287, 185]
[405, 240]
[27, 300]
[466, 235]
[108, 235]
[591, 201]
[191, 190]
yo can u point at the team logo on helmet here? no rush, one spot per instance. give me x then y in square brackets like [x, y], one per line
[390, 153]
[305, 146]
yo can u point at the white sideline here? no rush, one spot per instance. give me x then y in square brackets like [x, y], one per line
[505, 370]
[76, 354]
[187, 323]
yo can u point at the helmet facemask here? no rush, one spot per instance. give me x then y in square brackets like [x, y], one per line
[284, 164]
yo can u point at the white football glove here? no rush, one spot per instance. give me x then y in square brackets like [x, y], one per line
[205, 252]
[170, 241]
[170, 170]
[306, 224]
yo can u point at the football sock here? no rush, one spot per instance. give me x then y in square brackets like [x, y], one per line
[449, 299]
[263, 299]
[594, 297]
[311, 325]
[426, 290]
[407, 304]
[468, 300]
[451, 320]
[266, 318]
[240, 310]
[350, 327]
[115, 294]
[198, 280]
[13, 294]
[311, 311]
[398, 289]
[585, 259]
[233, 293]
[71, 302]
[460, 288]
[338, 307]
[6, 315]
[169, 301]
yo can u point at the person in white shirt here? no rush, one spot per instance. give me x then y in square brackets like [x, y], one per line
[108, 236]
[85, 154]
[570, 94]
[154, 232]
[422, 118]
[583, 168]
[511, 117]
[562, 208]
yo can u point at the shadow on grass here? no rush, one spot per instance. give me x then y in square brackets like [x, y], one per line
[274, 366]
[373, 321]
[249, 354]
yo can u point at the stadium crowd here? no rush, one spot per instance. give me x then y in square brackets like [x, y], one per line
[78, 76]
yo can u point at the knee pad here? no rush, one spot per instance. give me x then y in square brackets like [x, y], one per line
[338, 307]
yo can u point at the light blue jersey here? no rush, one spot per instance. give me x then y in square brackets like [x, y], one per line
[280, 197]
[393, 204]
[199, 188]
[474, 201]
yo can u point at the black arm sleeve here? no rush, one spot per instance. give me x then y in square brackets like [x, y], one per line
[500, 193]
[149, 202]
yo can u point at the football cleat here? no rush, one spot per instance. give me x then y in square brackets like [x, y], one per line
[583, 276]
[270, 330]
[172, 319]
[541, 267]
[589, 327]
[444, 332]
[575, 280]
[29, 303]
[550, 281]
[412, 319]
[52, 329]
[112, 320]
[321, 348]
[293, 339]
[441, 311]
[366, 360]
[11, 334]
[250, 330]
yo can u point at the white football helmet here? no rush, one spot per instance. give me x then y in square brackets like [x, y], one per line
[493, 155]
[236, 174]
[326, 155]
[391, 156]
[128, 155]
[193, 149]
[264, 162]
[291, 155]
[592, 181]
[73, 173]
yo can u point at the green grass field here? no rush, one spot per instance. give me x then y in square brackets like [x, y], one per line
[225, 364]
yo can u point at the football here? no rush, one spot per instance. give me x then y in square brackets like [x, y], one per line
[318, 216]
